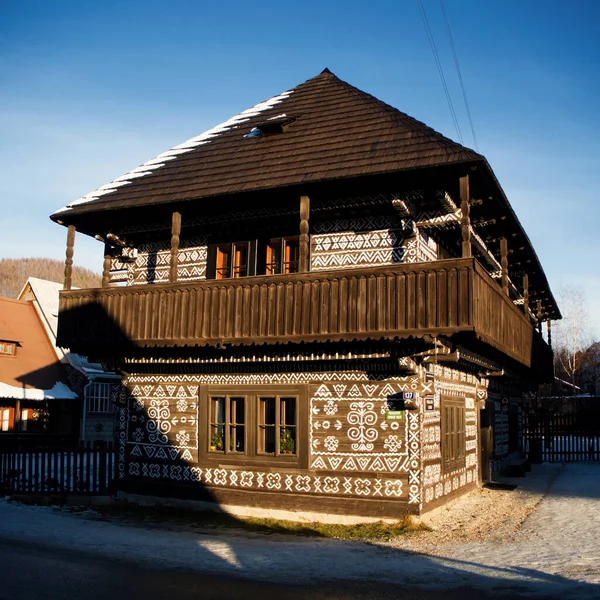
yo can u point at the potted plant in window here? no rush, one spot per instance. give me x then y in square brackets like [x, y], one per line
[287, 444]
[216, 442]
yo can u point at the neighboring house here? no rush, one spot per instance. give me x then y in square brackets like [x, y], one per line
[330, 309]
[91, 382]
[34, 395]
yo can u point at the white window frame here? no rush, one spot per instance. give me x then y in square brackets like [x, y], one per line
[97, 398]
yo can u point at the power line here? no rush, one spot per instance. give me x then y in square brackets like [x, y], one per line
[439, 67]
[460, 79]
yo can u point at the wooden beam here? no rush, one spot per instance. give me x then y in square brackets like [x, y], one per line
[106, 266]
[465, 221]
[526, 293]
[175, 233]
[549, 326]
[303, 266]
[69, 257]
[504, 263]
[539, 315]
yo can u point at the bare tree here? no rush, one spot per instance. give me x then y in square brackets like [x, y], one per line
[572, 334]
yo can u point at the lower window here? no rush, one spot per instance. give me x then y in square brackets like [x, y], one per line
[277, 422]
[253, 423]
[453, 434]
[227, 424]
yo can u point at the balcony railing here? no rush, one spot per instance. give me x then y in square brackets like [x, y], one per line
[442, 297]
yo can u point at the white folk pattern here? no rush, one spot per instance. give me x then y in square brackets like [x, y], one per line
[153, 262]
[157, 427]
[270, 481]
[334, 388]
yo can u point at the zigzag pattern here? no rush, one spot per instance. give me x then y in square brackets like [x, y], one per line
[254, 378]
[370, 223]
[365, 258]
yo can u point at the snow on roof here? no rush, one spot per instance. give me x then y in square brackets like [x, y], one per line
[46, 294]
[159, 161]
[59, 391]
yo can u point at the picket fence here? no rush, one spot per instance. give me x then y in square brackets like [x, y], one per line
[87, 472]
[562, 437]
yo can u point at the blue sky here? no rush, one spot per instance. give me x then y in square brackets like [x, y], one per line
[90, 90]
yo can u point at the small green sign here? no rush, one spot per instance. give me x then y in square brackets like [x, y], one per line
[394, 415]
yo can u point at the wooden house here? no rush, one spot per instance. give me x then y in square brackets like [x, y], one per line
[321, 308]
[35, 400]
[94, 386]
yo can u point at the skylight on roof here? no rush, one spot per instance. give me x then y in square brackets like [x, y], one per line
[273, 126]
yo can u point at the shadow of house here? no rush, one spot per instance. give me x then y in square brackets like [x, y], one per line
[35, 400]
[89, 381]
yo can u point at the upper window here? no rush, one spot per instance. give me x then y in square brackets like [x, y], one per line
[232, 260]
[282, 255]
[7, 348]
[256, 257]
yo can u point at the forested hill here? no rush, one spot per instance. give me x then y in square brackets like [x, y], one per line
[15, 271]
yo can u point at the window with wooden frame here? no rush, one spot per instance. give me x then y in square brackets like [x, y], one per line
[282, 255]
[277, 423]
[227, 424]
[231, 260]
[256, 424]
[453, 433]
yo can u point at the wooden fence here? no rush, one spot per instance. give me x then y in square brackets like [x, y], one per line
[87, 472]
[561, 437]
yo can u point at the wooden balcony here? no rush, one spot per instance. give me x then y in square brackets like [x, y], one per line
[389, 302]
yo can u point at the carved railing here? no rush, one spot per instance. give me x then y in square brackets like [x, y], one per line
[388, 302]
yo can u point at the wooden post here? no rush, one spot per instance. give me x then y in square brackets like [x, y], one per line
[303, 265]
[106, 266]
[549, 326]
[69, 257]
[17, 416]
[526, 293]
[175, 231]
[504, 263]
[465, 221]
[539, 315]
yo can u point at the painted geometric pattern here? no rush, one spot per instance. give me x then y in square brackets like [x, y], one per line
[271, 480]
[356, 249]
[419, 249]
[336, 446]
[349, 431]
[163, 422]
[289, 378]
[361, 224]
[153, 260]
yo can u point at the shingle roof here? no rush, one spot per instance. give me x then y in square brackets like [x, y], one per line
[338, 131]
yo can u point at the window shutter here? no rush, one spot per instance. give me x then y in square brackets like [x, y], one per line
[211, 261]
[252, 256]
